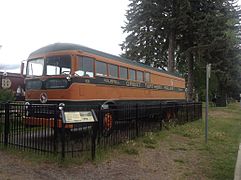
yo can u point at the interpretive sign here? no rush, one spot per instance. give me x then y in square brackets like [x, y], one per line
[79, 117]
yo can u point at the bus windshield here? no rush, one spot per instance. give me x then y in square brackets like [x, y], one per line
[35, 67]
[55, 65]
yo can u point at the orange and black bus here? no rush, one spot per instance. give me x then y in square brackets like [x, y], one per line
[74, 74]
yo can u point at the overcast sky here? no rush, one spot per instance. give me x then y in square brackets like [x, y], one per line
[26, 25]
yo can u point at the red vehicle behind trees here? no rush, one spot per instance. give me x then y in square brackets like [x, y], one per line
[13, 82]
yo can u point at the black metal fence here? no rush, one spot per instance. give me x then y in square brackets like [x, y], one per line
[41, 128]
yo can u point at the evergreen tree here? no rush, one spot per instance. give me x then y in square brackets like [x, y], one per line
[214, 26]
[147, 40]
[196, 32]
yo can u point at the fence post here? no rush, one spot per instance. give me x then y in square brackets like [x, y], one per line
[182, 107]
[187, 111]
[63, 140]
[137, 128]
[93, 140]
[161, 123]
[6, 127]
[55, 129]
[99, 125]
[176, 118]
[194, 109]
[62, 136]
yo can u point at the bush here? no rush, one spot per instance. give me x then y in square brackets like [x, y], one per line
[6, 95]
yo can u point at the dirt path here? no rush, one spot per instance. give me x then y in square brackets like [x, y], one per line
[167, 161]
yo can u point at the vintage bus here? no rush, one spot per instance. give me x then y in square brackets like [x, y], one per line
[74, 75]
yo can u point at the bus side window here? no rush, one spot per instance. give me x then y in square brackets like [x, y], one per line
[123, 73]
[132, 74]
[56, 65]
[100, 68]
[140, 76]
[147, 77]
[113, 70]
[85, 66]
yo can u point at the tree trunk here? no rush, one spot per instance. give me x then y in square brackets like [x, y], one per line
[222, 93]
[172, 38]
[171, 51]
[190, 78]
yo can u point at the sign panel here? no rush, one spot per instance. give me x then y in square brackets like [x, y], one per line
[6, 83]
[209, 70]
[79, 117]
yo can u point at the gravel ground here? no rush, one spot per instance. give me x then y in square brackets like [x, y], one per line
[164, 162]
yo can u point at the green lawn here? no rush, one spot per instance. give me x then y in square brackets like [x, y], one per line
[224, 135]
[224, 139]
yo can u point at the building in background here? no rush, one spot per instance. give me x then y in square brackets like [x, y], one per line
[13, 81]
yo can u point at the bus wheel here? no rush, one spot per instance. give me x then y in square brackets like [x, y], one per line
[107, 123]
[168, 116]
[109, 115]
[169, 119]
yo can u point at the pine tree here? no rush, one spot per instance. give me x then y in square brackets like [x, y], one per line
[204, 39]
[193, 33]
[147, 40]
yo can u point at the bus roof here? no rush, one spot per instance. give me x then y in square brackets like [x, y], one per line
[68, 46]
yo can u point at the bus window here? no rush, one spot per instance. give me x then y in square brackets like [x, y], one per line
[58, 65]
[35, 67]
[132, 74]
[100, 68]
[85, 66]
[140, 76]
[147, 77]
[53, 70]
[113, 70]
[123, 73]
[33, 84]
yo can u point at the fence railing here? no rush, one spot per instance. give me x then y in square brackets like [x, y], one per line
[40, 128]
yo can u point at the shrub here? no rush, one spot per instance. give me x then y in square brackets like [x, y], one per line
[6, 95]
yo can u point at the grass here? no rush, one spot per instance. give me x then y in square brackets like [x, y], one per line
[179, 161]
[30, 155]
[224, 136]
[34, 158]
[179, 149]
[131, 151]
